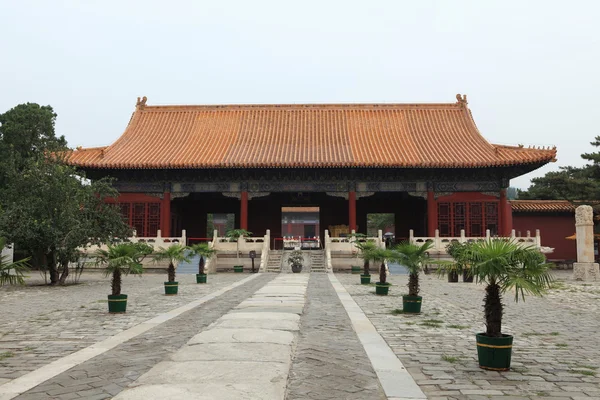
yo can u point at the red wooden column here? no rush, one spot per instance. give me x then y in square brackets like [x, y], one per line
[432, 215]
[505, 215]
[244, 210]
[165, 214]
[352, 210]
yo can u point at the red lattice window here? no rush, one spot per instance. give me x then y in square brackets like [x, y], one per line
[473, 217]
[444, 219]
[153, 224]
[476, 219]
[126, 212]
[138, 218]
[459, 217]
[491, 218]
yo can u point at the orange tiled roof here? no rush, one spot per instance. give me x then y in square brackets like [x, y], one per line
[542, 206]
[305, 136]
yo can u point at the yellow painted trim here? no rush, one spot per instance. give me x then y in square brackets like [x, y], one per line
[508, 346]
[117, 299]
[171, 285]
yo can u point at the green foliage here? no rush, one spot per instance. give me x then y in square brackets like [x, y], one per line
[27, 132]
[379, 221]
[378, 256]
[234, 235]
[569, 183]
[296, 258]
[12, 273]
[203, 250]
[174, 254]
[122, 259]
[414, 257]
[504, 266]
[50, 211]
[459, 252]
[365, 248]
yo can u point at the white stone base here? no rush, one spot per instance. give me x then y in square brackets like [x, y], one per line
[586, 271]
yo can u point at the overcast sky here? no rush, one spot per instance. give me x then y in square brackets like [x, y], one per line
[531, 69]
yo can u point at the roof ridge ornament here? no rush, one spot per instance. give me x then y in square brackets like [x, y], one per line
[141, 103]
[462, 100]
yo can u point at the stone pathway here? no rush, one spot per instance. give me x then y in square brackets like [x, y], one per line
[330, 362]
[42, 324]
[245, 354]
[107, 374]
[556, 354]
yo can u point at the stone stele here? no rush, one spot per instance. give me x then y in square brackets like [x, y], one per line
[585, 269]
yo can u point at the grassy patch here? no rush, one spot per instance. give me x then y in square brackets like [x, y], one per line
[562, 345]
[583, 372]
[454, 326]
[527, 334]
[29, 348]
[557, 285]
[397, 311]
[543, 394]
[434, 321]
[450, 359]
[6, 354]
[430, 324]
[586, 366]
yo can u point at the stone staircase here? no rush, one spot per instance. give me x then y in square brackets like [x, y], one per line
[317, 261]
[275, 259]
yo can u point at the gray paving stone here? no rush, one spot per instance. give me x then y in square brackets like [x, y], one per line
[569, 316]
[330, 362]
[109, 373]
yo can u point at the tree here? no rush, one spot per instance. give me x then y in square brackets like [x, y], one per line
[174, 254]
[26, 132]
[203, 250]
[50, 210]
[569, 183]
[414, 257]
[122, 259]
[505, 266]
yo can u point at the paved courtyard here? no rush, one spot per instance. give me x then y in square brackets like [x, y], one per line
[306, 337]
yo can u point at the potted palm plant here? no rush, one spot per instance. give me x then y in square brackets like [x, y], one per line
[365, 249]
[12, 273]
[504, 266]
[296, 260]
[378, 256]
[359, 240]
[174, 254]
[459, 252]
[202, 250]
[121, 259]
[414, 257]
[234, 235]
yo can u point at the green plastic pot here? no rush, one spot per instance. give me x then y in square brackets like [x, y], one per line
[117, 303]
[356, 270]
[382, 288]
[171, 288]
[452, 276]
[467, 277]
[494, 353]
[365, 279]
[200, 278]
[238, 268]
[411, 304]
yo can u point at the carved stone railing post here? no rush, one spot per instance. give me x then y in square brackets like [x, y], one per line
[585, 268]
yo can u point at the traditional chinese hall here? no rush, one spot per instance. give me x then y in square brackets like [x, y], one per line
[300, 169]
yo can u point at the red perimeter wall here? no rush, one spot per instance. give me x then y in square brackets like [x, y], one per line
[553, 230]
